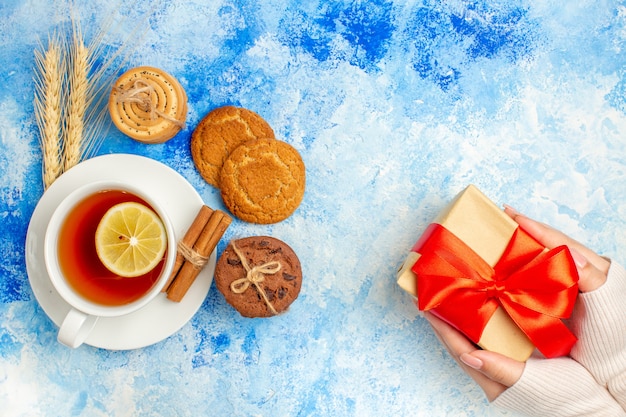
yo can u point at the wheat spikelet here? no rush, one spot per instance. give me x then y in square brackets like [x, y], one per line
[48, 107]
[77, 101]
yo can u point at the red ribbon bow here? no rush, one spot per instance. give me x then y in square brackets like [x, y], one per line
[537, 288]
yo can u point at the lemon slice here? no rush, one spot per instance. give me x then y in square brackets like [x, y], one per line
[130, 239]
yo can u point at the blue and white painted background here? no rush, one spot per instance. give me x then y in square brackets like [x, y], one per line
[395, 106]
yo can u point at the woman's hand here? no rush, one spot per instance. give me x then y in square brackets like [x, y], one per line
[492, 371]
[592, 268]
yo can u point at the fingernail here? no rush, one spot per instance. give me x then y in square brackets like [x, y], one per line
[511, 210]
[579, 259]
[471, 361]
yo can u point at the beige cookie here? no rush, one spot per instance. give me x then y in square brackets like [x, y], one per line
[148, 104]
[219, 133]
[263, 181]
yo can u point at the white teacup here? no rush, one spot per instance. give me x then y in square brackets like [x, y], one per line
[84, 313]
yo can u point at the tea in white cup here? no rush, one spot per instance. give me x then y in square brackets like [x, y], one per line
[76, 270]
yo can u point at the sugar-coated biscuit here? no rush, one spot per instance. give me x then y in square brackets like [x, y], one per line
[148, 104]
[263, 181]
[219, 133]
[269, 262]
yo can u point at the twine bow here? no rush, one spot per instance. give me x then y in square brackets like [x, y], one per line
[254, 276]
[196, 259]
[141, 94]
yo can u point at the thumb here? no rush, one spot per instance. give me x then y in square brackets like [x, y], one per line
[590, 277]
[494, 366]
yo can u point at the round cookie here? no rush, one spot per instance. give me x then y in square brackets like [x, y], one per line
[275, 289]
[219, 133]
[148, 104]
[263, 181]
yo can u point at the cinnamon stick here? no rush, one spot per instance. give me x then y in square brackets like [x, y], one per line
[189, 240]
[204, 246]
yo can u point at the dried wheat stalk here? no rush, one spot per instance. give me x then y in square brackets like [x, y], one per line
[49, 74]
[71, 97]
[77, 101]
[69, 104]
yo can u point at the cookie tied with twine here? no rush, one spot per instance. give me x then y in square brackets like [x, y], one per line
[148, 104]
[259, 276]
[254, 276]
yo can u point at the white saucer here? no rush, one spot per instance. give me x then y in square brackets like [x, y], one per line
[160, 318]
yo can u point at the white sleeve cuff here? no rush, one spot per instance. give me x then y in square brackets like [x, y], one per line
[600, 324]
[558, 387]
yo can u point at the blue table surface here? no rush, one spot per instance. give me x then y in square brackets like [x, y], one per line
[395, 106]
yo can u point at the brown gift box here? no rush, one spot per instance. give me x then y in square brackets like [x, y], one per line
[487, 230]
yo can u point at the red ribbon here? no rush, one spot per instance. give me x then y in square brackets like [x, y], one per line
[537, 288]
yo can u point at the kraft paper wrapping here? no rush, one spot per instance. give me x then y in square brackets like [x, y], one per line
[485, 228]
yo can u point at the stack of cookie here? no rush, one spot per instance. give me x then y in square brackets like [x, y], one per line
[148, 104]
[261, 178]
